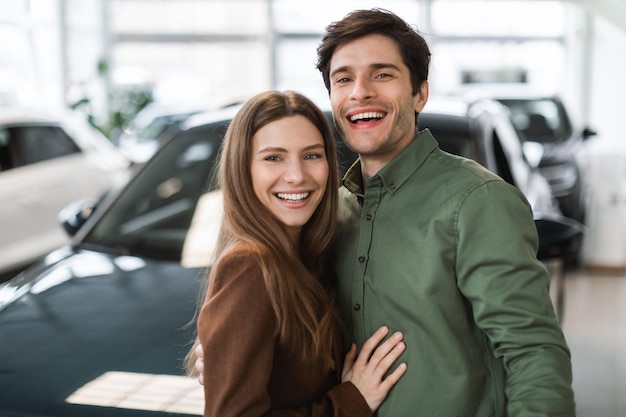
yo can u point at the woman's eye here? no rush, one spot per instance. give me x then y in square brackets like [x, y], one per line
[313, 156]
[272, 158]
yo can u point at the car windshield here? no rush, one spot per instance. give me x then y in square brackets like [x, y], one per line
[152, 216]
[540, 120]
[454, 136]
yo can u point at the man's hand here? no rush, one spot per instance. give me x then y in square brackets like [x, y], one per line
[199, 363]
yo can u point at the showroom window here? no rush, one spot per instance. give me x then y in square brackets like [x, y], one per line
[124, 53]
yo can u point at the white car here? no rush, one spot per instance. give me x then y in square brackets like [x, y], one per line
[46, 162]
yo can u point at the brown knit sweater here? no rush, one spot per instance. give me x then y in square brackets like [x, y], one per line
[247, 373]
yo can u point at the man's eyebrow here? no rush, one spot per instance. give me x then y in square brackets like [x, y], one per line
[377, 65]
[345, 68]
[383, 65]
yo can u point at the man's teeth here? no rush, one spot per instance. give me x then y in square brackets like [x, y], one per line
[369, 115]
[292, 197]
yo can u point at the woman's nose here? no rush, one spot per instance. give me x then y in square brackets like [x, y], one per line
[294, 172]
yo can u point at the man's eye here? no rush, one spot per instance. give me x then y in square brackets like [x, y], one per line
[343, 80]
[383, 75]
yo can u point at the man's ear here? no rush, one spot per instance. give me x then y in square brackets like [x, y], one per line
[421, 97]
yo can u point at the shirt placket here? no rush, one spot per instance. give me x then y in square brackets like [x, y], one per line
[366, 231]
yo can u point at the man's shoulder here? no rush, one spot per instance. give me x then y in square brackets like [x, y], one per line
[460, 168]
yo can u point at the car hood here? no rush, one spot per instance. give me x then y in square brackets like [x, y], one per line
[560, 152]
[80, 317]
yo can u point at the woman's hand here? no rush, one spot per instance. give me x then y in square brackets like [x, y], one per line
[367, 371]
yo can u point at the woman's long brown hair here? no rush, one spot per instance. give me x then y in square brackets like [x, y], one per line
[299, 278]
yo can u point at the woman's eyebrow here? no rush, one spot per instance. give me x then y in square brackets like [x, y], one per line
[279, 149]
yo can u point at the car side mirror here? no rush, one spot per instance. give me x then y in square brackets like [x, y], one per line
[558, 237]
[75, 214]
[588, 132]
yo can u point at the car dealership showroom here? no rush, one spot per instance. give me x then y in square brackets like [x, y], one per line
[112, 114]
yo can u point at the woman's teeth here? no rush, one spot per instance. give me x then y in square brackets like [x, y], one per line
[292, 197]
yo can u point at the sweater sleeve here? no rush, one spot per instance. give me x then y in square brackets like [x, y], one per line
[237, 330]
[507, 286]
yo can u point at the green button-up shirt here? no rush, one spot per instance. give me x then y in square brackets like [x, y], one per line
[440, 248]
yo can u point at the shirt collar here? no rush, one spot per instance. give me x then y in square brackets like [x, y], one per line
[398, 170]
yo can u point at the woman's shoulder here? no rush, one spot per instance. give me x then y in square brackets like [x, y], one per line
[240, 252]
[241, 261]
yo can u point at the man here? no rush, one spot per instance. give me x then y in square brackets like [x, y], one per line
[435, 245]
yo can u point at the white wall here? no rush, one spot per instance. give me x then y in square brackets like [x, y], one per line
[608, 80]
[605, 243]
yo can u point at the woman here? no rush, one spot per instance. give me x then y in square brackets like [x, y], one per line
[269, 327]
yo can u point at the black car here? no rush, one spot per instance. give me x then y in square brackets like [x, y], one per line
[100, 327]
[544, 119]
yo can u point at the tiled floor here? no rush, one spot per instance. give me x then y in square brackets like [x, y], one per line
[594, 323]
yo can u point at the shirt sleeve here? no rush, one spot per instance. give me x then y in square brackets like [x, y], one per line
[237, 330]
[498, 272]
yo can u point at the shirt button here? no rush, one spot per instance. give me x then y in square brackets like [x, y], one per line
[368, 217]
[392, 186]
[357, 307]
[361, 259]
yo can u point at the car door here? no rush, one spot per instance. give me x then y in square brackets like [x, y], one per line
[514, 168]
[42, 170]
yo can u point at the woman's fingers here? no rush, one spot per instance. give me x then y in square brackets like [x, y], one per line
[378, 357]
[393, 377]
[387, 353]
[375, 360]
[348, 363]
[351, 355]
[385, 363]
[370, 344]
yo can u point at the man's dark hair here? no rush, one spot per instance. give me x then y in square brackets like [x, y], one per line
[359, 23]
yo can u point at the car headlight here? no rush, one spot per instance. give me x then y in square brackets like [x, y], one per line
[562, 178]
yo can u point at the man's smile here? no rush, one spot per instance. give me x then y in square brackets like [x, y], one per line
[366, 116]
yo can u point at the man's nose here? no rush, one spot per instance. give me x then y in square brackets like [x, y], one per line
[361, 89]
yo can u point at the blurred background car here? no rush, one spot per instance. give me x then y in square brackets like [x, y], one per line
[153, 125]
[544, 119]
[482, 130]
[47, 161]
[100, 326]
